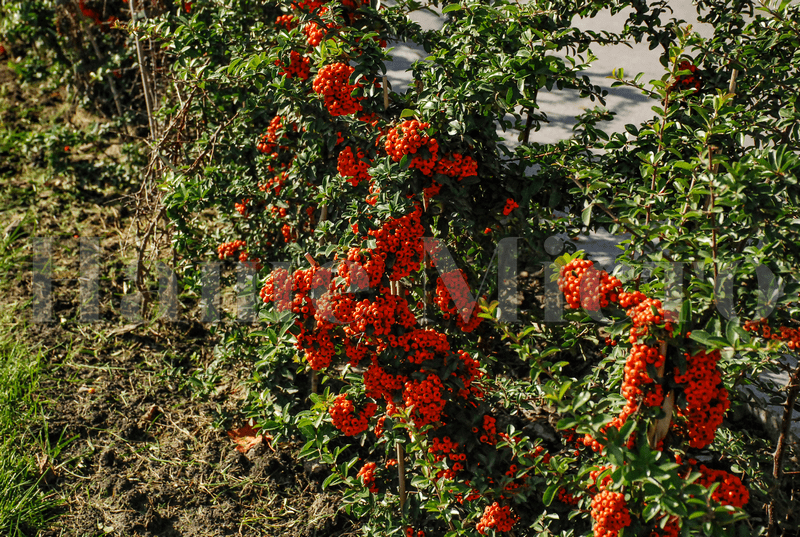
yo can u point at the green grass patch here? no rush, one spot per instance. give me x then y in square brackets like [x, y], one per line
[25, 506]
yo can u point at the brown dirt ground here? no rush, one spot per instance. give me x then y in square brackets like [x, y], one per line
[145, 453]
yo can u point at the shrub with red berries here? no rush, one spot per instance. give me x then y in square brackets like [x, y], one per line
[432, 410]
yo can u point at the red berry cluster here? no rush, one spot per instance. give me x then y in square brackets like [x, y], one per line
[411, 533]
[457, 166]
[685, 82]
[269, 141]
[315, 32]
[567, 497]
[422, 345]
[241, 208]
[377, 317]
[426, 398]
[706, 399]
[288, 233]
[510, 206]
[229, 249]
[401, 238]
[784, 333]
[730, 491]
[353, 167]
[362, 268]
[95, 16]
[335, 308]
[308, 5]
[430, 191]
[278, 212]
[610, 512]
[446, 448]
[367, 476]
[372, 199]
[379, 384]
[299, 66]
[287, 21]
[594, 475]
[645, 313]
[490, 428]
[317, 342]
[343, 414]
[275, 184]
[278, 289]
[592, 289]
[318, 346]
[598, 289]
[409, 138]
[516, 484]
[637, 377]
[569, 281]
[468, 375]
[333, 83]
[498, 518]
[671, 529]
[459, 304]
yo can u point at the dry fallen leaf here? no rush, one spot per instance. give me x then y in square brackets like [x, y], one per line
[152, 413]
[247, 437]
[45, 467]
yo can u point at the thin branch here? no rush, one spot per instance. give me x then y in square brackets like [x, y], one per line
[401, 474]
[780, 449]
[526, 134]
[145, 86]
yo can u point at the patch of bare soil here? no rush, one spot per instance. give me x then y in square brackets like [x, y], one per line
[141, 419]
[146, 459]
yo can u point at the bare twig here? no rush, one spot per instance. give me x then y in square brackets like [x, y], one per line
[780, 449]
[142, 70]
[140, 268]
[732, 83]
[401, 474]
[658, 431]
[401, 464]
[526, 134]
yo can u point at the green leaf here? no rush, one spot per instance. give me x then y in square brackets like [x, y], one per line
[547, 352]
[407, 113]
[701, 337]
[586, 215]
[731, 333]
[581, 400]
[550, 493]
[332, 479]
[452, 7]
[564, 387]
[686, 311]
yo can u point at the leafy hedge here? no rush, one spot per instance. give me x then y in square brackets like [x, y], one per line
[368, 221]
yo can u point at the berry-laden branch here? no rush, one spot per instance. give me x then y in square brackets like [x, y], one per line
[691, 423]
